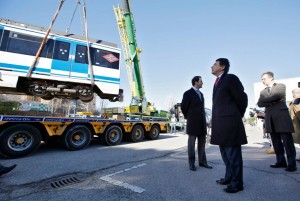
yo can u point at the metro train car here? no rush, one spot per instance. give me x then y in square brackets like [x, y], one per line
[62, 69]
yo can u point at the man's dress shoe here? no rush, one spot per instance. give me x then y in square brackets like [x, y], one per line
[205, 165]
[291, 168]
[5, 170]
[278, 165]
[192, 167]
[222, 181]
[230, 189]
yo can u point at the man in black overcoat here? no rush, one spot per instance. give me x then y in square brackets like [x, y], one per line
[228, 131]
[193, 109]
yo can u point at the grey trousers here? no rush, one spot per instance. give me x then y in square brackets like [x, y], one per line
[200, 146]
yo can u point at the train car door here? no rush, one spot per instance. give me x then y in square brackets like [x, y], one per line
[61, 64]
[79, 65]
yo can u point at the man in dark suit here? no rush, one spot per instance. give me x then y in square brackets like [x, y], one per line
[228, 131]
[192, 107]
[5, 170]
[278, 122]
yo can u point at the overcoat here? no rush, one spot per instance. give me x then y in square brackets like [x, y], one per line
[229, 106]
[277, 116]
[295, 115]
[193, 110]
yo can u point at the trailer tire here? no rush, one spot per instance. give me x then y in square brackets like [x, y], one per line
[154, 132]
[19, 140]
[137, 134]
[112, 136]
[76, 137]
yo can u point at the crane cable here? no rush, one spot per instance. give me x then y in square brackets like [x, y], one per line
[80, 16]
[44, 40]
[68, 28]
[88, 44]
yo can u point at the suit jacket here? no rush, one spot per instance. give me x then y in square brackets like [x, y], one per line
[194, 112]
[277, 117]
[229, 106]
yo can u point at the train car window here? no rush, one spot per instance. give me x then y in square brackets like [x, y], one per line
[23, 44]
[81, 54]
[105, 58]
[61, 50]
[3, 45]
[1, 31]
[48, 49]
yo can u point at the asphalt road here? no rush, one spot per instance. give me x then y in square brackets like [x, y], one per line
[150, 170]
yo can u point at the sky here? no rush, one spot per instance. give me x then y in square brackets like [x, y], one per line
[181, 39]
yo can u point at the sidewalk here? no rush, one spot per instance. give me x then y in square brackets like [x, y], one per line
[255, 139]
[261, 182]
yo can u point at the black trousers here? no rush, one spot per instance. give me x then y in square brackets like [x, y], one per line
[200, 146]
[233, 160]
[281, 142]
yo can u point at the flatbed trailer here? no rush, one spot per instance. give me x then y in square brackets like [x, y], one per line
[22, 135]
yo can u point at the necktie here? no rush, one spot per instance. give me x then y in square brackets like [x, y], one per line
[269, 89]
[217, 80]
[199, 94]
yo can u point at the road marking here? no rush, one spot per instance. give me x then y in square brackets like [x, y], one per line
[136, 189]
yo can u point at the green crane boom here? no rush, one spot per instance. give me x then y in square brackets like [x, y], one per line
[131, 53]
[134, 51]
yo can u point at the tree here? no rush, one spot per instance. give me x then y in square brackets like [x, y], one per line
[171, 103]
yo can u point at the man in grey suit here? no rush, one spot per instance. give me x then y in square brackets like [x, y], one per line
[228, 131]
[278, 122]
[192, 107]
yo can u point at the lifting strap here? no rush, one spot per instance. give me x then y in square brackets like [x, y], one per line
[88, 45]
[44, 40]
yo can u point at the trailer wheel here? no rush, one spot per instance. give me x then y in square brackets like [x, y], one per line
[112, 136]
[77, 137]
[19, 140]
[137, 134]
[153, 133]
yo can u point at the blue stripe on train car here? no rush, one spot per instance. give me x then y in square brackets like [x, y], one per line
[107, 79]
[20, 68]
[97, 78]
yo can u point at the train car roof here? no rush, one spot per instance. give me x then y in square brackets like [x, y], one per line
[44, 29]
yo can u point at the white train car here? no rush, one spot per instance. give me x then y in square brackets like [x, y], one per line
[62, 68]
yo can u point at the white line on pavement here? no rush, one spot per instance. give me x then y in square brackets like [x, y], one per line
[136, 189]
